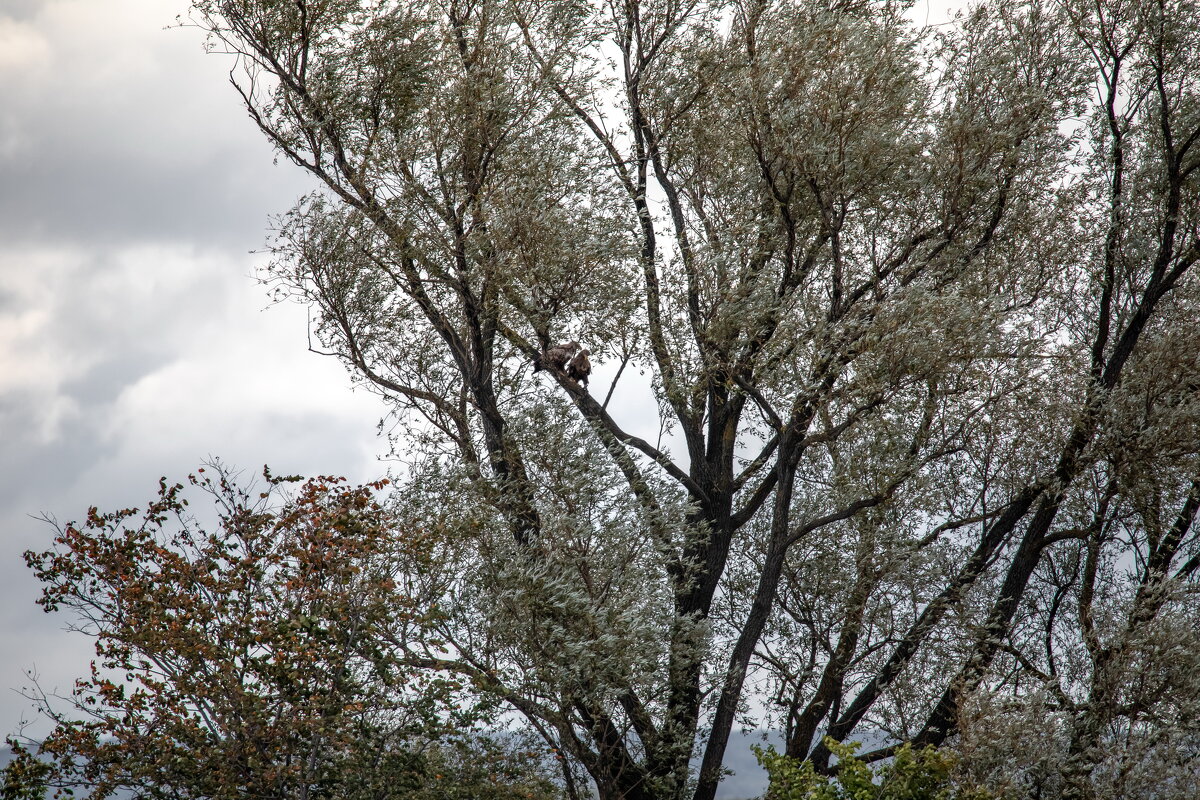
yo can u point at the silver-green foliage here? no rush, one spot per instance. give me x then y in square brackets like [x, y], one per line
[895, 330]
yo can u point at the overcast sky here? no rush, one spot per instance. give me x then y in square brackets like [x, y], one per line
[134, 340]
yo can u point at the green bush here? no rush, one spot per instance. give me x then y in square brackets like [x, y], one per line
[924, 774]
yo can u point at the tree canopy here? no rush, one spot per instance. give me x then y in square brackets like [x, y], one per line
[915, 314]
[894, 423]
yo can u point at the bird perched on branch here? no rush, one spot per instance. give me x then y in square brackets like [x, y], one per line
[557, 357]
[579, 367]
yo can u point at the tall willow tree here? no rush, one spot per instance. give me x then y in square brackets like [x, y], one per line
[895, 330]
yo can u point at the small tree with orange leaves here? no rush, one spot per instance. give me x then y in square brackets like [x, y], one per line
[266, 655]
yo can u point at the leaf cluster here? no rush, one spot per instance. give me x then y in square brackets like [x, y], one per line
[265, 655]
[912, 774]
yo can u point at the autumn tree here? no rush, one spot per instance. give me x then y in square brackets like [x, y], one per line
[258, 650]
[894, 333]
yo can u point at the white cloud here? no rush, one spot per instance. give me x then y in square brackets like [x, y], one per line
[23, 49]
[237, 371]
[35, 361]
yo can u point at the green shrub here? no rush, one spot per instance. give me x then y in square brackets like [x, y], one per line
[924, 774]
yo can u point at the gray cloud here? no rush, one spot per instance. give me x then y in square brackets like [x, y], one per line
[22, 9]
[132, 136]
[124, 199]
